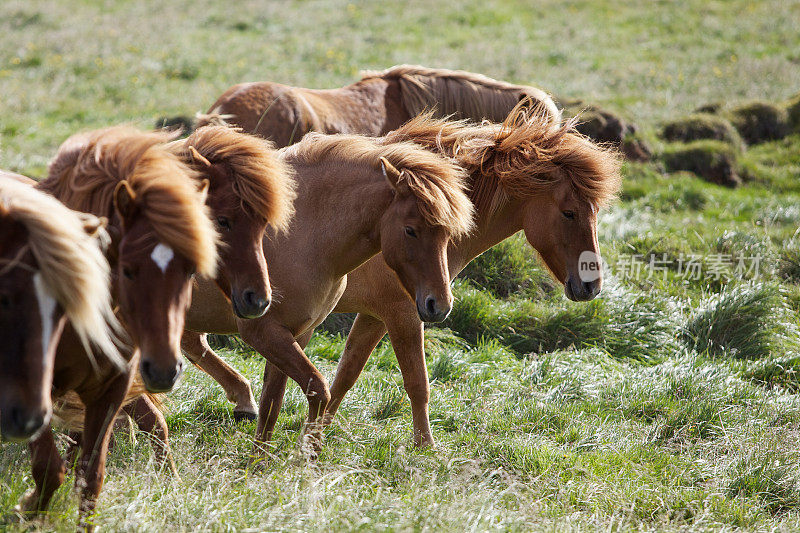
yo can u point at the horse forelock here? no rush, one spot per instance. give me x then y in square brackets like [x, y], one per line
[70, 261]
[86, 171]
[263, 182]
[438, 184]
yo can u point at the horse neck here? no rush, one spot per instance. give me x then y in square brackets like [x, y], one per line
[490, 229]
[339, 209]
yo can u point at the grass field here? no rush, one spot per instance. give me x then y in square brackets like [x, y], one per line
[671, 402]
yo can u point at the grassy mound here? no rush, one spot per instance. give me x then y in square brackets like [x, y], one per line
[712, 160]
[604, 126]
[180, 122]
[702, 126]
[760, 121]
[745, 322]
[793, 112]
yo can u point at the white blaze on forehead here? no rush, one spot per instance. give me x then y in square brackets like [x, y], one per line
[162, 255]
[47, 306]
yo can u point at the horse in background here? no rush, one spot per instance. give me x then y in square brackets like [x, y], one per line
[377, 104]
[52, 270]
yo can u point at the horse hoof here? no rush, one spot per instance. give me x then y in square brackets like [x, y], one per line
[239, 416]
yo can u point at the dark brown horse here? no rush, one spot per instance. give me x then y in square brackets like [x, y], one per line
[376, 105]
[356, 197]
[160, 236]
[52, 269]
[524, 175]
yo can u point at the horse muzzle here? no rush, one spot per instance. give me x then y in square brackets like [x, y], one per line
[250, 304]
[160, 378]
[19, 425]
[430, 309]
[578, 290]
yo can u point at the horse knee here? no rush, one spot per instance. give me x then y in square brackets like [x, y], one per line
[418, 392]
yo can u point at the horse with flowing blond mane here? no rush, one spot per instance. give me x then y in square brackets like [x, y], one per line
[380, 102]
[355, 197]
[524, 175]
[160, 236]
[52, 269]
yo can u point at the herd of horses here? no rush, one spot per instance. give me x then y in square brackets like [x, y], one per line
[365, 199]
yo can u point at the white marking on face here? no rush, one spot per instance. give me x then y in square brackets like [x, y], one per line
[47, 306]
[162, 255]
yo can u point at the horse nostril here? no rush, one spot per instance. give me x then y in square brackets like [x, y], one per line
[430, 305]
[253, 300]
[590, 288]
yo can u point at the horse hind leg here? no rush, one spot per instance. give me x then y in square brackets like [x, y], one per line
[237, 387]
[364, 336]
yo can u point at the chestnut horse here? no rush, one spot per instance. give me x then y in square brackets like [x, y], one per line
[52, 269]
[524, 174]
[352, 203]
[249, 188]
[376, 105]
[160, 236]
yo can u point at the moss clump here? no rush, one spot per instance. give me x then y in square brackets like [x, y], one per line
[760, 121]
[182, 123]
[712, 107]
[602, 125]
[713, 161]
[702, 126]
[793, 113]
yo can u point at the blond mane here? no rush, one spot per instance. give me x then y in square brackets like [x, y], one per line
[88, 167]
[460, 94]
[523, 157]
[438, 184]
[71, 263]
[263, 182]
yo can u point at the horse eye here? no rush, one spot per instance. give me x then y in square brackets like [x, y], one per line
[5, 302]
[224, 223]
[127, 272]
[410, 232]
[568, 214]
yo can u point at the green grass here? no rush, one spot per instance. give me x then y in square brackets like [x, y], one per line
[668, 403]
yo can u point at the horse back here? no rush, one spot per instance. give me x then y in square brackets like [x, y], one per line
[283, 114]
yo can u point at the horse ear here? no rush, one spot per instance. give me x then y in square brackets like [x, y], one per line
[391, 174]
[204, 186]
[197, 156]
[124, 200]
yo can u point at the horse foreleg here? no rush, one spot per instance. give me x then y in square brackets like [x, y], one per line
[237, 387]
[48, 473]
[280, 348]
[407, 338]
[364, 336]
[270, 402]
[150, 419]
[98, 424]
